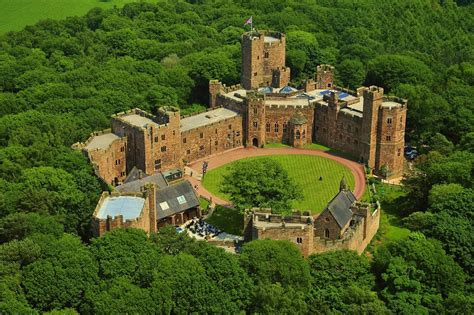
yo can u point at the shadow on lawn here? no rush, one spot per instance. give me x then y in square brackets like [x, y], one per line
[228, 220]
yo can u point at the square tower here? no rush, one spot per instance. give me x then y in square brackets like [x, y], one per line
[263, 60]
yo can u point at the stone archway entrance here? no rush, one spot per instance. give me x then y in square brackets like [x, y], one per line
[255, 142]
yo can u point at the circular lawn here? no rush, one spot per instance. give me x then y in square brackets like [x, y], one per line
[305, 170]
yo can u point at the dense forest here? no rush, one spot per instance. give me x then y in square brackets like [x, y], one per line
[60, 80]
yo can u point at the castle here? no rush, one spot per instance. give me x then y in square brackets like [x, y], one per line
[345, 223]
[262, 109]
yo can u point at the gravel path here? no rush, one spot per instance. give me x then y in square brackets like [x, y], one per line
[238, 154]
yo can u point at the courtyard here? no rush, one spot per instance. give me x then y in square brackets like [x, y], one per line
[317, 173]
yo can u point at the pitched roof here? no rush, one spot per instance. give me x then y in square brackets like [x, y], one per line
[134, 175]
[174, 199]
[298, 119]
[340, 207]
[136, 185]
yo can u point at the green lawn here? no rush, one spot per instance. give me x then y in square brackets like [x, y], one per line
[390, 228]
[305, 170]
[16, 14]
[277, 145]
[228, 220]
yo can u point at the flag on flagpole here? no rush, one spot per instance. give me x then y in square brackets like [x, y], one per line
[249, 21]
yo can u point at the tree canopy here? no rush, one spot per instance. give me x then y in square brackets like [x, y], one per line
[262, 183]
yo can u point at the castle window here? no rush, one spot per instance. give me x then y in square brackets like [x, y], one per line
[163, 137]
[389, 121]
[255, 110]
[327, 219]
[399, 152]
[230, 126]
[276, 127]
[157, 164]
[216, 142]
[255, 74]
[122, 149]
[215, 131]
[304, 134]
[401, 119]
[237, 133]
[188, 152]
[258, 57]
[163, 149]
[122, 173]
[266, 54]
[326, 233]
[184, 140]
[201, 135]
[299, 240]
[388, 138]
[298, 135]
[201, 147]
[255, 125]
[156, 139]
[174, 132]
[284, 127]
[267, 127]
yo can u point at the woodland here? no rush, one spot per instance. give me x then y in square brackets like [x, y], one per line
[62, 79]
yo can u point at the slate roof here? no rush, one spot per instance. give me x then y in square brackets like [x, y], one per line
[174, 199]
[134, 186]
[298, 119]
[340, 205]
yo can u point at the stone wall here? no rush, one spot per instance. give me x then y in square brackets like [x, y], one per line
[211, 139]
[280, 115]
[101, 226]
[110, 163]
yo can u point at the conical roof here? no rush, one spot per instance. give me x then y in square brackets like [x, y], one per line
[298, 119]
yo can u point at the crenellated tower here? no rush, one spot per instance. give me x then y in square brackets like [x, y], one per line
[373, 97]
[263, 60]
[255, 120]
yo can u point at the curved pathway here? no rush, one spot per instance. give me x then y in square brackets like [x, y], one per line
[241, 153]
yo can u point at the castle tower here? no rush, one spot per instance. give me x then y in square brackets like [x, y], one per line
[391, 137]
[343, 184]
[372, 102]
[324, 76]
[263, 60]
[215, 87]
[255, 130]
[333, 112]
[298, 130]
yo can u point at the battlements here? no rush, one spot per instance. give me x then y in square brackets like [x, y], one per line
[82, 145]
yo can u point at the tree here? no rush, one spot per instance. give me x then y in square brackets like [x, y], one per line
[389, 71]
[20, 225]
[224, 270]
[416, 275]
[120, 296]
[119, 252]
[351, 73]
[275, 262]
[62, 277]
[191, 289]
[263, 183]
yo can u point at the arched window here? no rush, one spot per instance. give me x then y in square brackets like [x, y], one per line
[304, 134]
[284, 127]
[326, 233]
[298, 135]
[255, 110]
[267, 127]
[276, 127]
